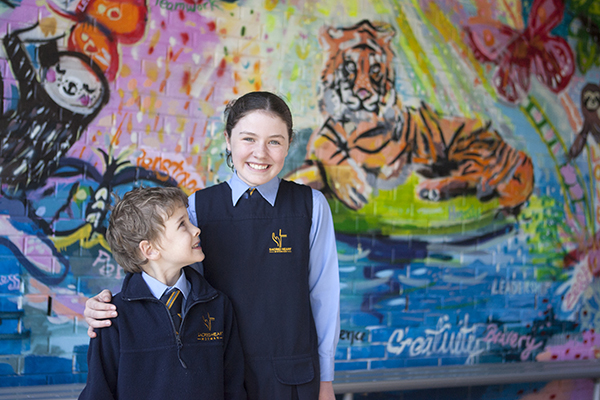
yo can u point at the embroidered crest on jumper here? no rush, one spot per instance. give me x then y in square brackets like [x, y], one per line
[208, 321]
[209, 336]
[278, 239]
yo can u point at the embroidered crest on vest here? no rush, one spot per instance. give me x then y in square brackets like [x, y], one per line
[279, 242]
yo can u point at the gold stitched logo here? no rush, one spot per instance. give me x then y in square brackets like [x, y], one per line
[208, 321]
[209, 336]
[206, 337]
[278, 239]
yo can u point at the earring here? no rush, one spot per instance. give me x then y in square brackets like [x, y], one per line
[229, 159]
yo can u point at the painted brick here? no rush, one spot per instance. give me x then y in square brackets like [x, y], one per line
[406, 319]
[18, 345]
[363, 352]
[47, 365]
[19, 380]
[349, 366]
[366, 320]
[380, 334]
[11, 302]
[395, 363]
[63, 379]
[341, 353]
[6, 369]
[9, 326]
[167, 102]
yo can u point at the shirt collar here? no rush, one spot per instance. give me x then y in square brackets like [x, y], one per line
[158, 288]
[238, 187]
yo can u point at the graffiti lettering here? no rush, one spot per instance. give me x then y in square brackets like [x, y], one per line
[12, 282]
[438, 341]
[165, 168]
[101, 197]
[581, 279]
[107, 268]
[512, 340]
[176, 6]
[353, 335]
[503, 286]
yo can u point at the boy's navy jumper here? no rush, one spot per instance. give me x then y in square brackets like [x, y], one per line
[258, 255]
[140, 356]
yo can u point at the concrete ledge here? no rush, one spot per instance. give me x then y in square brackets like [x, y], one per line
[397, 379]
[43, 392]
[387, 380]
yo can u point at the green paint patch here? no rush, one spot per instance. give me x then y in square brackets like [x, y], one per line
[400, 212]
[295, 73]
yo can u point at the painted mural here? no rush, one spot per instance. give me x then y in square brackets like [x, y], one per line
[456, 141]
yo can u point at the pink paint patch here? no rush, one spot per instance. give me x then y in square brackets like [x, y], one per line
[568, 172]
[594, 261]
[576, 192]
[69, 305]
[85, 100]
[576, 389]
[51, 75]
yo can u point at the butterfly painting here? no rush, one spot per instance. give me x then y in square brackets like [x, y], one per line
[100, 25]
[520, 53]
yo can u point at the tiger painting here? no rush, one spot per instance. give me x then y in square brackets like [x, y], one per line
[369, 141]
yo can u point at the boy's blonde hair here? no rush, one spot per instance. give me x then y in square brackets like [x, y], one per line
[139, 216]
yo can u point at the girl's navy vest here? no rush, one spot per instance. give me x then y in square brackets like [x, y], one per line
[258, 255]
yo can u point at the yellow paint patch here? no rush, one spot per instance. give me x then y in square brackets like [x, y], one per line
[271, 4]
[125, 71]
[82, 235]
[302, 52]
[152, 71]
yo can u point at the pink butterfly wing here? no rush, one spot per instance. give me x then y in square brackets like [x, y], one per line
[554, 65]
[511, 78]
[490, 40]
[545, 15]
[497, 43]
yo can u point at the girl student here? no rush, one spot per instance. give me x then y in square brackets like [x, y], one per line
[269, 246]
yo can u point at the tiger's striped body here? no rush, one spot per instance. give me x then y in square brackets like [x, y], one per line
[370, 141]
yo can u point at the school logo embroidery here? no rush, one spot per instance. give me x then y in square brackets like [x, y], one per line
[209, 336]
[208, 321]
[278, 239]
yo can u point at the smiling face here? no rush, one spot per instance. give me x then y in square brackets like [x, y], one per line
[179, 244]
[258, 143]
[74, 85]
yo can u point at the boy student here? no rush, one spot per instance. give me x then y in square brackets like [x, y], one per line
[177, 337]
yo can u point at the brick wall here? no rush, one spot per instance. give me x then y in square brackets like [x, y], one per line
[451, 249]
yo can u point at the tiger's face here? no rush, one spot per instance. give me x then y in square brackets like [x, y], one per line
[358, 75]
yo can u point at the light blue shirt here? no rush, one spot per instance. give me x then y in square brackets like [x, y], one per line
[323, 278]
[158, 288]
